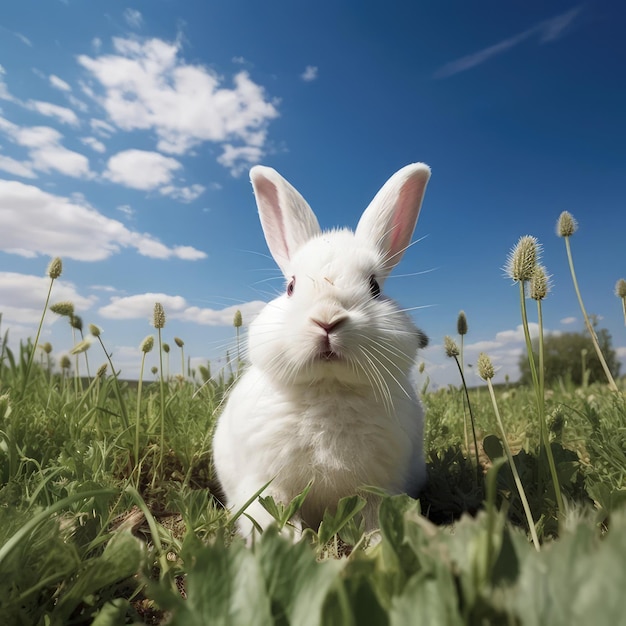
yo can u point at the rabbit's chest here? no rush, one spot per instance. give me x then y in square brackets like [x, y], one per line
[338, 440]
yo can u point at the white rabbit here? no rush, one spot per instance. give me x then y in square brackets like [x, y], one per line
[328, 393]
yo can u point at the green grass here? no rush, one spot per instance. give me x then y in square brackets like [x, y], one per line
[110, 513]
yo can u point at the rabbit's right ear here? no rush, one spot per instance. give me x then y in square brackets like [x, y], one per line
[287, 220]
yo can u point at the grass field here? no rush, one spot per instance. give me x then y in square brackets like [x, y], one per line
[109, 512]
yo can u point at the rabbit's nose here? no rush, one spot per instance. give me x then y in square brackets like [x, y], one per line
[329, 326]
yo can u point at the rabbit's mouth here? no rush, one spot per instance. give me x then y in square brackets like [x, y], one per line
[329, 355]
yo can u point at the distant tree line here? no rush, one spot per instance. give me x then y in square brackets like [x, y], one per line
[571, 356]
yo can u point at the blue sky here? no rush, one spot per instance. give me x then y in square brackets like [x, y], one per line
[127, 131]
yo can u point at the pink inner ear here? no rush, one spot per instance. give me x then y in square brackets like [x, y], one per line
[405, 216]
[271, 218]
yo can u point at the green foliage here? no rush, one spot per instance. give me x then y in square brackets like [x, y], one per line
[107, 521]
[571, 357]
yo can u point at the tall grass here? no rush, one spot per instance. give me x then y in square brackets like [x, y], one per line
[107, 522]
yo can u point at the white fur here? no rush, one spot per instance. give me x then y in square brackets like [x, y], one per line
[332, 403]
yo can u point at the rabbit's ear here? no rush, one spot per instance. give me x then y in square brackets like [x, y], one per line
[389, 220]
[288, 221]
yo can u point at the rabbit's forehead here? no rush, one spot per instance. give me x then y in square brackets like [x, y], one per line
[336, 253]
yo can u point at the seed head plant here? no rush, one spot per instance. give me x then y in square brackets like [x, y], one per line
[159, 323]
[620, 292]
[81, 346]
[522, 259]
[539, 285]
[461, 324]
[76, 322]
[55, 268]
[566, 227]
[46, 349]
[452, 351]
[237, 323]
[64, 309]
[116, 382]
[486, 371]
[158, 318]
[449, 345]
[146, 346]
[523, 267]
[461, 328]
[180, 343]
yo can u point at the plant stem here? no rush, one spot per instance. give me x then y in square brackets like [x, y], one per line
[138, 415]
[544, 442]
[162, 392]
[516, 478]
[118, 391]
[471, 419]
[592, 332]
[464, 411]
[31, 356]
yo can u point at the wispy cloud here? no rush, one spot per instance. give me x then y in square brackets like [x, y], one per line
[309, 74]
[59, 83]
[24, 39]
[547, 31]
[568, 320]
[133, 18]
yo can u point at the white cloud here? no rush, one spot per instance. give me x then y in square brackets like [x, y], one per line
[23, 297]
[102, 128]
[94, 144]
[45, 150]
[34, 222]
[59, 83]
[222, 317]
[4, 90]
[24, 39]
[142, 306]
[238, 159]
[187, 253]
[147, 86]
[127, 210]
[133, 18]
[77, 104]
[63, 114]
[103, 288]
[621, 352]
[547, 30]
[141, 169]
[96, 44]
[309, 74]
[568, 320]
[17, 168]
[47, 153]
[184, 194]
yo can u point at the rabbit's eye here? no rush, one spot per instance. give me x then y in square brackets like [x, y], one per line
[291, 286]
[374, 287]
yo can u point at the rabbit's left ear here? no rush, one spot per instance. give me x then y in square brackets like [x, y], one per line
[389, 221]
[287, 220]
